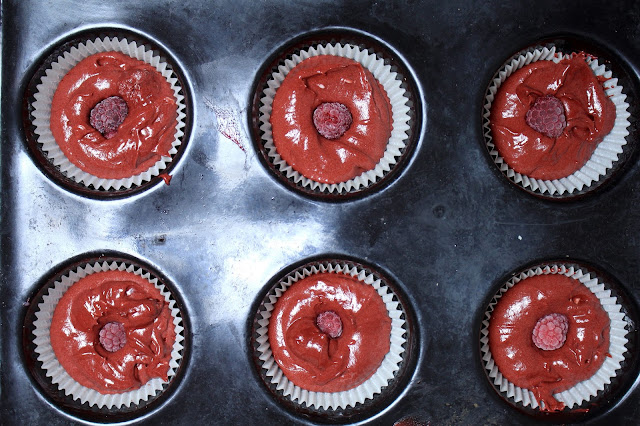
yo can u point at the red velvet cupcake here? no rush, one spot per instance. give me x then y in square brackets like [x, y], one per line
[334, 118]
[109, 334]
[330, 336]
[108, 114]
[555, 123]
[553, 337]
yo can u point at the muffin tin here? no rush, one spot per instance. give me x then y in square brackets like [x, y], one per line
[445, 229]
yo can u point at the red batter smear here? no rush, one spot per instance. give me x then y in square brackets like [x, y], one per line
[105, 298]
[331, 79]
[228, 126]
[166, 178]
[546, 372]
[309, 357]
[590, 116]
[411, 421]
[143, 137]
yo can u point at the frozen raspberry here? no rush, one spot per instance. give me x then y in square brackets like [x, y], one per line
[546, 116]
[329, 323]
[113, 336]
[550, 332]
[332, 119]
[108, 114]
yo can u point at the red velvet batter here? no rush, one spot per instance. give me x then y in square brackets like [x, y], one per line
[141, 140]
[321, 79]
[548, 372]
[113, 296]
[308, 357]
[589, 112]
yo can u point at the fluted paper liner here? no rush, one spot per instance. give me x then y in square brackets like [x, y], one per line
[366, 390]
[54, 369]
[606, 153]
[586, 389]
[47, 88]
[400, 112]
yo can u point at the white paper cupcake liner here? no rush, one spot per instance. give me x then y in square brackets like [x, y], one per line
[47, 88]
[606, 153]
[586, 389]
[54, 369]
[400, 112]
[344, 399]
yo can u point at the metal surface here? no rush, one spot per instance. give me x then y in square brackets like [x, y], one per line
[448, 229]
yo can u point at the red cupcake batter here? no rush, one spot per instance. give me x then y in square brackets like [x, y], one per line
[310, 358]
[141, 140]
[548, 372]
[321, 79]
[113, 296]
[590, 116]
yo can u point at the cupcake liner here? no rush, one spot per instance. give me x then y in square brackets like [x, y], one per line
[52, 366]
[385, 76]
[333, 400]
[47, 88]
[606, 153]
[586, 389]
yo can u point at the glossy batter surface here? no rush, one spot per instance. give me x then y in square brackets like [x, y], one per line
[141, 140]
[548, 372]
[590, 116]
[321, 79]
[113, 296]
[309, 357]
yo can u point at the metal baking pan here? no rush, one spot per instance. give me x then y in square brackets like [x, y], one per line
[447, 228]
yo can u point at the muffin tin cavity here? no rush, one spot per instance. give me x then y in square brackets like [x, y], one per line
[368, 398]
[375, 56]
[608, 386]
[611, 155]
[37, 110]
[63, 391]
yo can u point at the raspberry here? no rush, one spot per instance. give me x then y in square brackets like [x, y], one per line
[332, 119]
[329, 323]
[546, 116]
[108, 114]
[113, 336]
[550, 332]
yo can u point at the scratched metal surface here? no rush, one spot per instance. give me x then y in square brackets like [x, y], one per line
[448, 229]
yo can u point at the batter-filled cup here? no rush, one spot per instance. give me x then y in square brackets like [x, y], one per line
[135, 336]
[321, 282]
[99, 142]
[334, 161]
[521, 339]
[579, 152]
